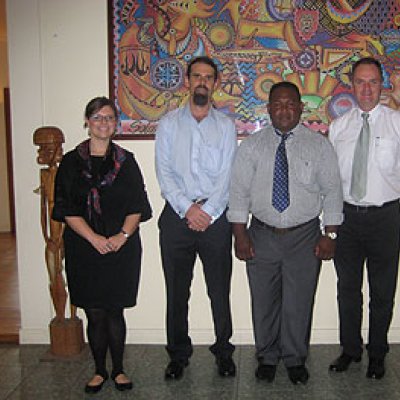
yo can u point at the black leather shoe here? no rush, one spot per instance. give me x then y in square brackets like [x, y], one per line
[298, 374]
[376, 368]
[266, 372]
[96, 388]
[342, 362]
[175, 369]
[122, 386]
[226, 366]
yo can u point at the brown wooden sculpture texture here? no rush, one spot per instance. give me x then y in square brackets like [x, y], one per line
[66, 334]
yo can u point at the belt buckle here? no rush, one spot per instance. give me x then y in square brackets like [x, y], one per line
[362, 209]
[280, 231]
[200, 202]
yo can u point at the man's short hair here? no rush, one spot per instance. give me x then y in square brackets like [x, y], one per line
[366, 61]
[202, 60]
[286, 85]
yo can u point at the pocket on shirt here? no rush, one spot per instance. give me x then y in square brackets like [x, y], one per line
[210, 160]
[387, 154]
[304, 170]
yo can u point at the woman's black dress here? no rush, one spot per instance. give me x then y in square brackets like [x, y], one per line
[95, 280]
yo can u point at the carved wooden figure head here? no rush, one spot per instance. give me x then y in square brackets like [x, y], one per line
[50, 140]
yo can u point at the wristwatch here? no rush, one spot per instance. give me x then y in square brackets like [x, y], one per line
[126, 234]
[331, 235]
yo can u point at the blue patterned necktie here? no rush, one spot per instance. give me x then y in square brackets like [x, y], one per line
[280, 186]
[359, 174]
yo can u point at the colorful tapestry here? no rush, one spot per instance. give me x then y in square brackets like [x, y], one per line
[311, 43]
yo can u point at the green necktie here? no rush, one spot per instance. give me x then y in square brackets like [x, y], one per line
[359, 174]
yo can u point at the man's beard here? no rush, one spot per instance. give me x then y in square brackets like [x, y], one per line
[200, 99]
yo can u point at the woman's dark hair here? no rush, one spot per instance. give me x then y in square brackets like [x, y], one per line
[98, 103]
[203, 60]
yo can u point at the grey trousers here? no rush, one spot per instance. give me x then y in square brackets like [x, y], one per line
[283, 278]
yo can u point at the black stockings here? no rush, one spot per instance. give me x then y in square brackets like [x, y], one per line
[106, 329]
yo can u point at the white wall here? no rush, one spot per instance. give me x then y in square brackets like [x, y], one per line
[58, 61]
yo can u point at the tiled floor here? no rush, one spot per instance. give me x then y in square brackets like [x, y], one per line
[28, 372]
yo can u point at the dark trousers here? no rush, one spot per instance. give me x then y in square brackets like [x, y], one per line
[370, 236]
[179, 248]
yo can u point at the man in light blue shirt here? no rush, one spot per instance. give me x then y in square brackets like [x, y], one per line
[195, 146]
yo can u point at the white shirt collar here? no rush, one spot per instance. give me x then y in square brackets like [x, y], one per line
[372, 113]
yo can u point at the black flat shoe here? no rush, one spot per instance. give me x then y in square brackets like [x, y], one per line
[376, 368]
[96, 388]
[266, 372]
[122, 386]
[175, 369]
[226, 366]
[298, 374]
[343, 362]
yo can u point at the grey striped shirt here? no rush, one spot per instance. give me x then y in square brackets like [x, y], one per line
[314, 180]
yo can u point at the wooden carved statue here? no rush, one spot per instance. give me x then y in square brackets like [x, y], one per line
[50, 152]
[50, 142]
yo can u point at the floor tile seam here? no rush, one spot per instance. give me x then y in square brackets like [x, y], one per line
[11, 393]
[235, 393]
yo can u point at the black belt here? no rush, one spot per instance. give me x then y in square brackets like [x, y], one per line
[280, 231]
[367, 209]
[200, 202]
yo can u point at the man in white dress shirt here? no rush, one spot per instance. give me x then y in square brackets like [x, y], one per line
[367, 142]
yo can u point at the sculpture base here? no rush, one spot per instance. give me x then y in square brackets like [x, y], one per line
[66, 337]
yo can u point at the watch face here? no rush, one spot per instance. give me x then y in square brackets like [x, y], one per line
[332, 235]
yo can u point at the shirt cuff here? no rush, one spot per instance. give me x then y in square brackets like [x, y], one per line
[181, 206]
[184, 206]
[332, 219]
[236, 216]
[209, 210]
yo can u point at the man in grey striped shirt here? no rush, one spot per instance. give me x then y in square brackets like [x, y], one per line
[284, 176]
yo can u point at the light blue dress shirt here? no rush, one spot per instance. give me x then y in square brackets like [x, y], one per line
[194, 159]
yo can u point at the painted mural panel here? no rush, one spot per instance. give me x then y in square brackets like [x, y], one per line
[255, 44]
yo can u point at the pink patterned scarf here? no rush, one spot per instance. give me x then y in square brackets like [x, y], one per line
[117, 156]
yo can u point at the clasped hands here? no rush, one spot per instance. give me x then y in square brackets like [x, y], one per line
[197, 219]
[108, 245]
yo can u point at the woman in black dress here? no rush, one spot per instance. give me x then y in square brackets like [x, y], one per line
[100, 195]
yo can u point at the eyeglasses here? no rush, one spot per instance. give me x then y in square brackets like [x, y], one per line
[102, 118]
